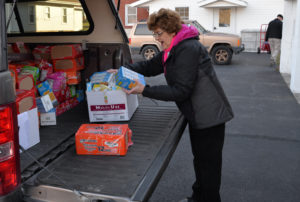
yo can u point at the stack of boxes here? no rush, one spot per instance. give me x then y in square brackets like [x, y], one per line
[46, 86]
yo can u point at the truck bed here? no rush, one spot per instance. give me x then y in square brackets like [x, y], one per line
[156, 133]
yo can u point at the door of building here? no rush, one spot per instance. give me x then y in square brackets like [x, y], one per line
[224, 20]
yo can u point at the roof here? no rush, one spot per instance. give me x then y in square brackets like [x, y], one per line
[139, 3]
[222, 3]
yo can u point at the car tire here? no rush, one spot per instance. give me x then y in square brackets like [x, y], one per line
[258, 50]
[149, 52]
[221, 55]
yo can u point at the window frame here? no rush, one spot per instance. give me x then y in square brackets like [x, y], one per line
[47, 13]
[74, 33]
[29, 15]
[184, 9]
[126, 15]
[63, 15]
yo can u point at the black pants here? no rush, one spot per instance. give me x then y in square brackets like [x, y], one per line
[207, 146]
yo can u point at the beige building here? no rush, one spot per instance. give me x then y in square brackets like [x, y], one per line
[48, 16]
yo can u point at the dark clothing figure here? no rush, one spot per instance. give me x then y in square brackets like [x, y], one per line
[273, 36]
[193, 85]
[274, 29]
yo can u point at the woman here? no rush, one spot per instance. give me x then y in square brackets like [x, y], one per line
[193, 85]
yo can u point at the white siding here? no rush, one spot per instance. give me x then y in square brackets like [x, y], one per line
[251, 17]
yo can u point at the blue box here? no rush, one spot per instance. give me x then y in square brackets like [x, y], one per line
[124, 78]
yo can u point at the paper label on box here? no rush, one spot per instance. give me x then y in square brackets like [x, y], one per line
[108, 107]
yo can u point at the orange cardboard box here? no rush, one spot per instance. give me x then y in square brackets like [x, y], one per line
[25, 100]
[25, 82]
[68, 65]
[103, 139]
[73, 78]
[66, 51]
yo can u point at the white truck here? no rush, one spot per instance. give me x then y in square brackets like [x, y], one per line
[51, 170]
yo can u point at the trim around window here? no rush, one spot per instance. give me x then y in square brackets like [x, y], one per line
[127, 23]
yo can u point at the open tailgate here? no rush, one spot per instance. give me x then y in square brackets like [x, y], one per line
[156, 133]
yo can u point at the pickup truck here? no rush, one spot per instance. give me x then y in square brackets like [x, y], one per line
[51, 170]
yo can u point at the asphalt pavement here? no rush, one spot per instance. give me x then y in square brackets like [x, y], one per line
[261, 161]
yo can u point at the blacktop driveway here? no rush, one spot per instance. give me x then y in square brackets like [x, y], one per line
[261, 159]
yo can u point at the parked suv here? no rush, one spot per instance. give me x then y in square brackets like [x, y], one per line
[220, 46]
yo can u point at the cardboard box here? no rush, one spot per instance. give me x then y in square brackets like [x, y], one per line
[28, 123]
[48, 118]
[103, 139]
[25, 82]
[68, 65]
[25, 100]
[113, 105]
[66, 51]
[124, 78]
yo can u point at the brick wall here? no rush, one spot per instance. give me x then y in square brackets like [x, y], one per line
[142, 13]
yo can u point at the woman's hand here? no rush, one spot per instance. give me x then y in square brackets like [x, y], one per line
[137, 89]
[114, 71]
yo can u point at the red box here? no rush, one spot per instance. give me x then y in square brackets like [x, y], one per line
[103, 139]
[68, 65]
[66, 51]
[25, 82]
[25, 100]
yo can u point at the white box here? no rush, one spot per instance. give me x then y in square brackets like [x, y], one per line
[113, 105]
[29, 133]
[48, 118]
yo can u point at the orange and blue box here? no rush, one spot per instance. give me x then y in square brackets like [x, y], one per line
[125, 78]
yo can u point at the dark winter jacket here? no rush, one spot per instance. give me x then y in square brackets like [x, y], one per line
[274, 29]
[192, 83]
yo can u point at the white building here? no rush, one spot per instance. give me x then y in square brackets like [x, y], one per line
[290, 44]
[241, 17]
[230, 16]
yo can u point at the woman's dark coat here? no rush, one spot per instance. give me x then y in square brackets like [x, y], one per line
[192, 84]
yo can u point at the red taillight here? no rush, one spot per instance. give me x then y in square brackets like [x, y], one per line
[9, 149]
[129, 40]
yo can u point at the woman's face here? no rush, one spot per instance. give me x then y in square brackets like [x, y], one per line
[163, 37]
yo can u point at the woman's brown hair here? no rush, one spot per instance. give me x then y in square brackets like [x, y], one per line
[165, 19]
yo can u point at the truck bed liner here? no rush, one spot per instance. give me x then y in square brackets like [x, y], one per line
[156, 133]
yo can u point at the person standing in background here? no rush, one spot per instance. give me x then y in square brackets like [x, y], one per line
[273, 36]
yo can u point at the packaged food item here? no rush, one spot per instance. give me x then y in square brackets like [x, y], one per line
[103, 139]
[102, 78]
[46, 69]
[44, 88]
[41, 53]
[73, 78]
[34, 71]
[125, 78]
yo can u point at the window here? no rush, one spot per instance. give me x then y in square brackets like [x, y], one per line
[65, 17]
[31, 14]
[142, 29]
[47, 13]
[130, 15]
[183, 12]
[224, 17]
[48, 17]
